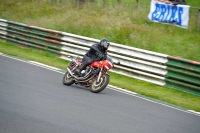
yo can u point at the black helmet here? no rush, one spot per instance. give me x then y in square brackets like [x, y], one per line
[104, 43]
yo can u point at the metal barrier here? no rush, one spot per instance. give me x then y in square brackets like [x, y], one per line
[183, 74]
[136, 63]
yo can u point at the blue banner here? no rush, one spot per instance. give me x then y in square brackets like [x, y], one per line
[170, 14]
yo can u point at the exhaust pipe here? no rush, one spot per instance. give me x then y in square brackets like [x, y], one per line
[80, 79]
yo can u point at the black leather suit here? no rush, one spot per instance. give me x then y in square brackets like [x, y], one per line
[95, 53]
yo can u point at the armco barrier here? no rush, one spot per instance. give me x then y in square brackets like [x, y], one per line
[183, 74]
[136, 63]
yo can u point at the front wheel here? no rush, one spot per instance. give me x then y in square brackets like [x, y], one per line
[67, 79]
[97, 87]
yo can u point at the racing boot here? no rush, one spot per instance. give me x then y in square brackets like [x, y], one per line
[79, 69]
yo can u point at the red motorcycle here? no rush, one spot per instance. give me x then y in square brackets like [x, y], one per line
[94, 76]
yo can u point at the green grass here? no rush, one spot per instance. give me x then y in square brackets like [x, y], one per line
[123, 24]
[151, 90]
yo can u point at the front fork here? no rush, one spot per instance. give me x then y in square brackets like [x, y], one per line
[70, 70]
[99, 74]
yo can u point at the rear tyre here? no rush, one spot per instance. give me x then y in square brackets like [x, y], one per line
[67, 79]
[97, 87]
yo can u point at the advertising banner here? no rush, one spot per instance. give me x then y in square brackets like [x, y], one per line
[169, 14]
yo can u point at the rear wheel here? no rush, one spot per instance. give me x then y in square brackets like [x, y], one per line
[97, 87]
[67, 79]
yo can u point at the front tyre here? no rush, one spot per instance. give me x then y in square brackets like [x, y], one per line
[67, 79]
[97, 87]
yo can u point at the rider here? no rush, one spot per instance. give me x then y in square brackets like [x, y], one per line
[97, 52]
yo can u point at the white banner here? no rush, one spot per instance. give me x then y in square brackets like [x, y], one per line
[169, 14]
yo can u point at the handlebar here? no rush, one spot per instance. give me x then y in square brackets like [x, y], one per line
[117, 63]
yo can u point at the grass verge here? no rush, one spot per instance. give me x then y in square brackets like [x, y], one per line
[123, 24]
[151, 90]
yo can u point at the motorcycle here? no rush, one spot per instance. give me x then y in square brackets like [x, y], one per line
[94, 76]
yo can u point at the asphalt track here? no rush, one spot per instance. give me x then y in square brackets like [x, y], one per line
[34, 100]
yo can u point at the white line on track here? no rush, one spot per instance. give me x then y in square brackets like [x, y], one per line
[43, 65]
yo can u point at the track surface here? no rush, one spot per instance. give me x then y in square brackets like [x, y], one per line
[34, 100]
